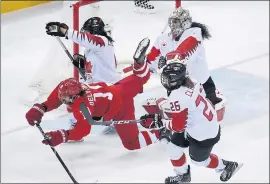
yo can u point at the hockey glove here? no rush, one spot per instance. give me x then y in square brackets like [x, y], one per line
[56, 137]
[151, 121]
[79, 61]
[35, 114]
[56, 29]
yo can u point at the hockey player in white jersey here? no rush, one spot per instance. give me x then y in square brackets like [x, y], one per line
[98, 61]
[194, 121]
[185, 41]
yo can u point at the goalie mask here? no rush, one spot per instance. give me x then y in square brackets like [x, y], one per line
[173, 76]
[69, 90]
[179, 21]
[94, 25]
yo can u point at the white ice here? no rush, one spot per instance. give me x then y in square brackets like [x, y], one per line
[238, 56]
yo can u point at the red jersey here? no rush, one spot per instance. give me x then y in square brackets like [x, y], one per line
[101, 99]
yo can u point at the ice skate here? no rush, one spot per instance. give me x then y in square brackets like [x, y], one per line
[230, 169]
[139, 55]
[184, 178]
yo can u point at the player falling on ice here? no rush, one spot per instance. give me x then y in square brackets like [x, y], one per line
[105, 102]
[186, 39]
[195, 123]
[98, 62]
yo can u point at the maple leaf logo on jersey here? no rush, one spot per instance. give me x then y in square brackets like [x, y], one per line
[164, 44]
[96, 40]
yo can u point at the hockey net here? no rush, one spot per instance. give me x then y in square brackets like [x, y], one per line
[128, 25]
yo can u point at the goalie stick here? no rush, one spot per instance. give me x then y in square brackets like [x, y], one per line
[56, 153]
[70, 57]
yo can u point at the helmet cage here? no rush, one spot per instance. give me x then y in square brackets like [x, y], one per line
[179, 21]
[68, 99]
[173, 76]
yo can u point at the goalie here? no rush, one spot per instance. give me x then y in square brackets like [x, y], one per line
[104, 102]
[185, 43]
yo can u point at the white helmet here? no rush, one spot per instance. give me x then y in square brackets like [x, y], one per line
[179, 21]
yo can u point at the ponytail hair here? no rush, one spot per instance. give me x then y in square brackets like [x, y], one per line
[204, 28]
[108, 37]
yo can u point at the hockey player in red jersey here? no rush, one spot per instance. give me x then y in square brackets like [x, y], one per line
[104, 102]
[194, 121]
[185, 42]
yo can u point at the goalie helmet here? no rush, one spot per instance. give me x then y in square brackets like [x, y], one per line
[94, 25]
[173, 76]
[179, 21]
[69, 90]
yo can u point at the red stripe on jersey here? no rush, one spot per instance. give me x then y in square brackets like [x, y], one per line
[179, 120]
[180, 162]
[95, 39]
[139, 69]
[146, 137]
[156, 132]
[153, 54]
[186, 48]
[214, 161]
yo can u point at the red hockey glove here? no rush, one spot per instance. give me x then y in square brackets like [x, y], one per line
[151, 121]
[56, 137]
[35, 114]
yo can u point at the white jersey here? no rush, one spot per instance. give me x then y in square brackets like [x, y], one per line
[190, 47]
[188, 110]
[100, 58]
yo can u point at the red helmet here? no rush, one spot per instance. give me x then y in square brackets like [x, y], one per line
[68, 90]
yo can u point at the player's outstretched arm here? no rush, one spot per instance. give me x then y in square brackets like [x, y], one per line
[84, 39]
[35, 114]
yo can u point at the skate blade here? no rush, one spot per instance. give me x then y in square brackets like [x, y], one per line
[236, 170]
[238, 167]
[143, 44]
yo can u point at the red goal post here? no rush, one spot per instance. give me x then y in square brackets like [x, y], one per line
[76, 17]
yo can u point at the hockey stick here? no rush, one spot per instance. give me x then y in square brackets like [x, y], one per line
[56, 153]
[165, 27]
[70, 57]
[90, 120]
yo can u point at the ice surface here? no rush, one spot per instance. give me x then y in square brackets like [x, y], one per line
[238, 55]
